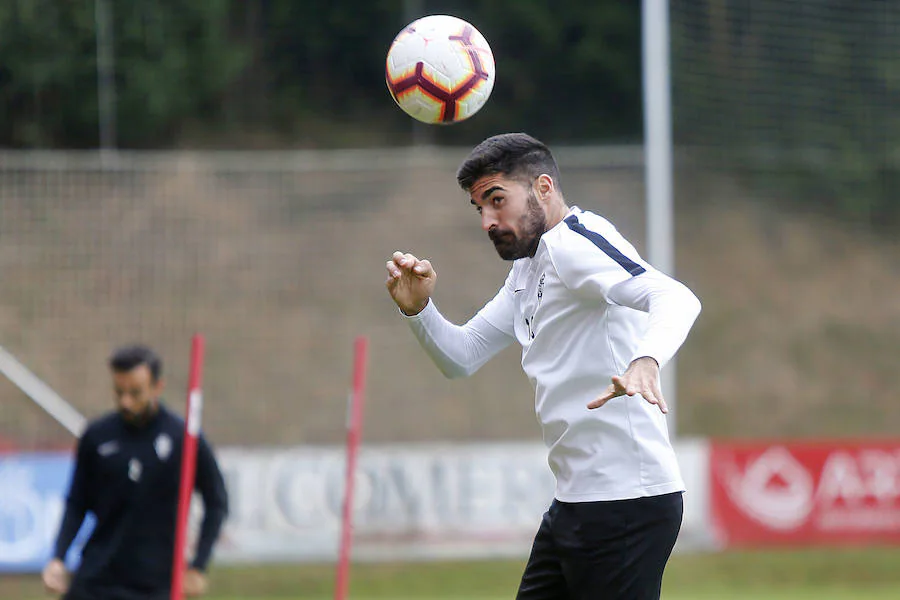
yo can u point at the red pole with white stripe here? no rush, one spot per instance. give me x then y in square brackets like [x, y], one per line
[193, 413]
[354, 433]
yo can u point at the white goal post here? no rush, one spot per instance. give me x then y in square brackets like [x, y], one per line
[658, 159]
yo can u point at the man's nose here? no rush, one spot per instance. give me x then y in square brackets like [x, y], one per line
[488, 219]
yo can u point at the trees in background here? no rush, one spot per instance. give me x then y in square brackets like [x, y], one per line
[172, 62]
[798, 98]
[308, 73]
[796, 95]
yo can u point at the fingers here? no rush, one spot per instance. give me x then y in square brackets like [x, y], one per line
[625, 386]
[612, 391]
[423, 269]
[401, 262]
[406, 261]
[194, 584]
[55, 577]
[600, 401]
[55, 583]
[663, 407]
[393, 269]
[646, 383]
[655, 397]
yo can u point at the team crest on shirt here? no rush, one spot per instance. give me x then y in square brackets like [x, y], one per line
[540, 293]
[163, 446]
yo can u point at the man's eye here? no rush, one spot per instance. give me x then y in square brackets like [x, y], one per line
[497, 200]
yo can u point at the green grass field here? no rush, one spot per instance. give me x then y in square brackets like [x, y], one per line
[865, 574]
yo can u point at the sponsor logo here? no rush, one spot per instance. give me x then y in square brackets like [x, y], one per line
[807, 492]
[774, 489]
[33, 490]
[108, 448]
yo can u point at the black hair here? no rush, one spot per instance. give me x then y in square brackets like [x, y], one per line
[516, 155]
[126, 358]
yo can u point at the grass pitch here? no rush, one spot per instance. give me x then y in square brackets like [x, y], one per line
[862, 574]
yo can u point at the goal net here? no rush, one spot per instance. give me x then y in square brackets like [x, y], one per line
[798, 97]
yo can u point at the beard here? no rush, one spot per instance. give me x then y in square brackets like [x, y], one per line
[139, 418]
[531, 225]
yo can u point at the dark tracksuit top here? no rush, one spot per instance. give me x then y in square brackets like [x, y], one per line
[128, 477]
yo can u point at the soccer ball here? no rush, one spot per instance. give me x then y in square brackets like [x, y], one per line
[440, 70]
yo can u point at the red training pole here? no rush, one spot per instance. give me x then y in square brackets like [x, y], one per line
[354, 432]
[192, 413]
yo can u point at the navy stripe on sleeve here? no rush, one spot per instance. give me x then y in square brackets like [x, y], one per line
[601, 242]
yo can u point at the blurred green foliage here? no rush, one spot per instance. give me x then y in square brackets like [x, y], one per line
[796, 97]
[173, 61]
[304, 72]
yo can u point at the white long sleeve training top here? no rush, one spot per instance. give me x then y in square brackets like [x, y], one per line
[583, 308]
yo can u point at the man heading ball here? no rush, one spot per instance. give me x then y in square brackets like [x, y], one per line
[596, 323]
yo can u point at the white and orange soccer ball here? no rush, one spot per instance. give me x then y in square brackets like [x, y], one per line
[440, 70]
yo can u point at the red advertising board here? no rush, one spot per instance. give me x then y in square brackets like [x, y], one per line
[805, 493]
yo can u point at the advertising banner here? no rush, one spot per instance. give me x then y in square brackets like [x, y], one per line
[805, 493]
[32, 500]
[411, 502]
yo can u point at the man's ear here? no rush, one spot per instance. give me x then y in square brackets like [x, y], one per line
[545, 186]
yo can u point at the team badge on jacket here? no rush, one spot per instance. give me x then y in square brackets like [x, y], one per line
[163, 446]
[134, 469]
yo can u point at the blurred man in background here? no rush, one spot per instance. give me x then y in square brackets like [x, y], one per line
[596, 323]
[127, 473]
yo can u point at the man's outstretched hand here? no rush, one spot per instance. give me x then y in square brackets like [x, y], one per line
[641, 377]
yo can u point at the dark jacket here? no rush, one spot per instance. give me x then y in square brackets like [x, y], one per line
[128, 477]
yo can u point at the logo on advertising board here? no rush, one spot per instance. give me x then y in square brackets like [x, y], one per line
[805, 493]
[774, 489]
[21, 513]
[32, 499]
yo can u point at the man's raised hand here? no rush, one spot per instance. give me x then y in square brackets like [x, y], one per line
[410, 282]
